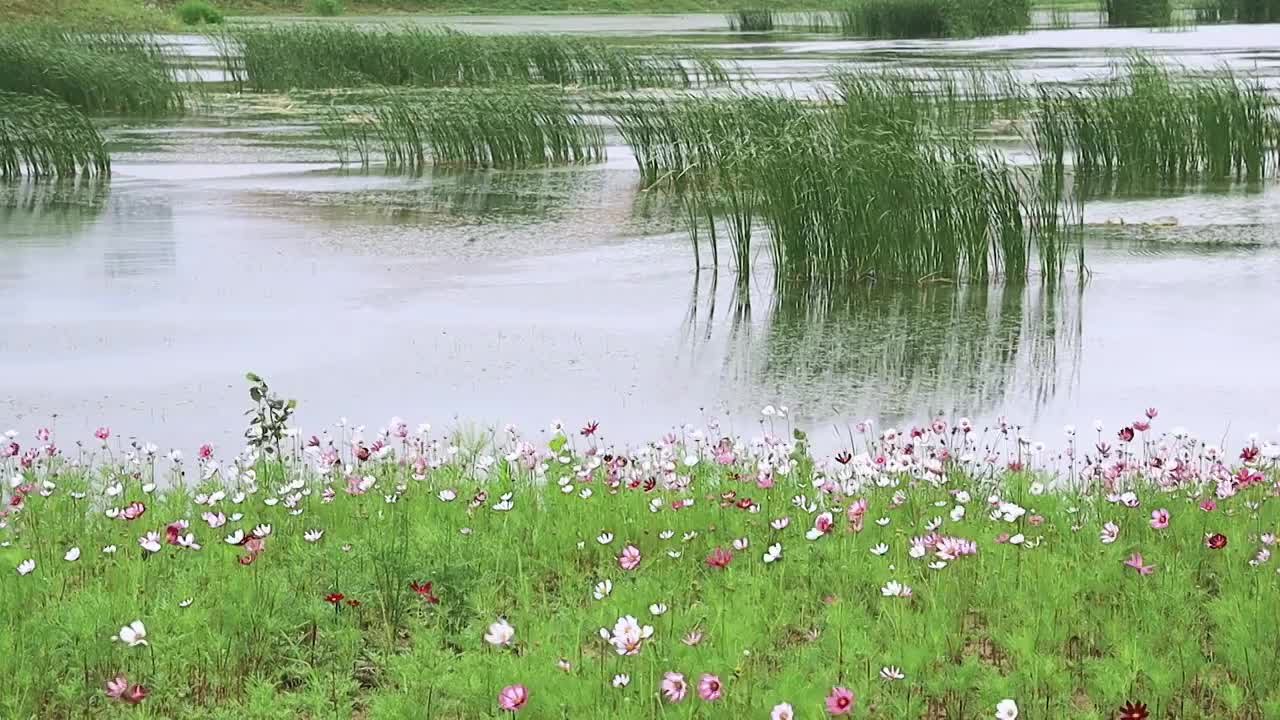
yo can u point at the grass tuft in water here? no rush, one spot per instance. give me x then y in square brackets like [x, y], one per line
[1149, 126]
[760, 19]
[1240, 11]
[45, 137]
[929, 18]
[1138, 13]
[475, 128]
[282, 57]
[100, 73]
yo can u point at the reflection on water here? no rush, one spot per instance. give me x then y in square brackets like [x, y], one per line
[900, 350]
[34, 209]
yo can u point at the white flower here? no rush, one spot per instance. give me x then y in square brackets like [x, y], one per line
[882, 521]
[889, 672]
[114, 489]
[937, 564]
[215, 520]
[628, 635]
[186, 603]
[657, 609]
[447, 495]
[133, 634]
[1007, 709]
[235, 538]
[72, 555]
[602, 589]
[1017, 539]
[26, 566]
[893, 588]
[188, 541]
[782, 711]
[1109, 533]
[780, 523]
[503, 506]
[262, 531]
[150, 542]
[962, 496]
[957, 513]
[768, 411]
[933, 524]
[773, 553]
[1009, 512]
[741, 544]
[109, 549]
[673, 554]
[604, 538]
[313, 535]
[500, 633]
[690, 535]
[584, 493]
[667, 534]
[880, 549]
[621, 680]
[1036, 488]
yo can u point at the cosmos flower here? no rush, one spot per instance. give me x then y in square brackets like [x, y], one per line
[709, 687]
[782, 711]
[513, 697]
[1132, 711]
[313, 536]
[629, 558]
[150, 542]
[840, 701]
[1215, 541]
[674, 686]
[72, 555]
[893, 588]
[1006, 709]
[500, 633]
[621, 680]
[1110, 532]
[424, 591]
[602, 589]
[891, 673]
[773, 553]
[692, 638]
[1135, 562]
[719, 558]
[26, 566]
[133, 634]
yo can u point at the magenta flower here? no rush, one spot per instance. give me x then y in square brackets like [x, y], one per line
[513, 697]
[709, 687]
[1208, 505]
[102, 433]
[1160, 519]
[117, 686]
[840, 701]
[674, 686]
[629, 558]
[1135, 562]
[719, 558]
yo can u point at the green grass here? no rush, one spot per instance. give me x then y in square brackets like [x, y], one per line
[760, 19]
[1039, 611]
[1243, 11]
[100, 73]
[845, 189]
[475, 128]
[319, 56]
[326, 8]
[44, 137]
[1138, 13]
[927, 18]
[94, 15]
[1150, 126]
[198, 12]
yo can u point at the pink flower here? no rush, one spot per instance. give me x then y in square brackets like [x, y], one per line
[674, 687]
[1208, 505]
[1002, 538]
[135, 694]
[1035, 519]
[840, 701]
[513, 697]
[629, 558]
[117, 686]
[709, 687]
[102, 433]
[1135, 562]
[782, 711]
[205, 452]
[719, 558]
[1160, 519]
[1151, 413]
[823, 522]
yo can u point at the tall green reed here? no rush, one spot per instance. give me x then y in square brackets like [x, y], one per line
[758, 19]
[99, 73]
[932, 18]
[45, 137]
[479, 128]
[1138, 13]
[280, 57]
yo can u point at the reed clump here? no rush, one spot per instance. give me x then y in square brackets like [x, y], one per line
[45, 137]
[843, 199]
[282, 57]
[1241, 11]
[932, 18]
[99, 73]
[759, 19]
[474, 128]
[1138, 13]
[1148, 125]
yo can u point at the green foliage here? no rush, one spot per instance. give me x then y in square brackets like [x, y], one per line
[326, 8]
[268, 418]
[930, 18]
[99, 73]
[198, 12]
[483, 128]
[1243, 11]
[752, 20]
[44, 137]
[281, 57]
[1138, 13]
[1148, 126]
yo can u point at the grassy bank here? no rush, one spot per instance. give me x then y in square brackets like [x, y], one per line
[943, 571]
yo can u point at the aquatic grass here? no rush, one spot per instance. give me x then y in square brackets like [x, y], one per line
[45, 137]
[1149, 126]
[957, 100]
[932, 18]
[99, 73]
[198, 12]
[1241, 11]
[476, 128]
[758, 19]
[1138, 13]
[283, 57]
[938, 566]
[844, 192]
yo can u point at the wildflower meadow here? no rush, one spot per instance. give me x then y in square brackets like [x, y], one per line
[946, 570]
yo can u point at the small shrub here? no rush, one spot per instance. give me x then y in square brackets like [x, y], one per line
[196, 12]
[326, 8]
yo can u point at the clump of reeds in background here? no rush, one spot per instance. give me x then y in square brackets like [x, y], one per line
[1138, 13]
[100, 73]
[1150, 126]
[932, 18]
[477, 128]
[758, 19]
[281, 57]
[45, 137]
[1242, 11]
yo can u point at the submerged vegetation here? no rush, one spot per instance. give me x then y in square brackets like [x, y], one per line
[99, 73]
[1149, 125]
[831, 181]
[479, 128]
[320, 56]
[947, 569]
[45, 137]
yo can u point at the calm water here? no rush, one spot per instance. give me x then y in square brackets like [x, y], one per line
[232, 242]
